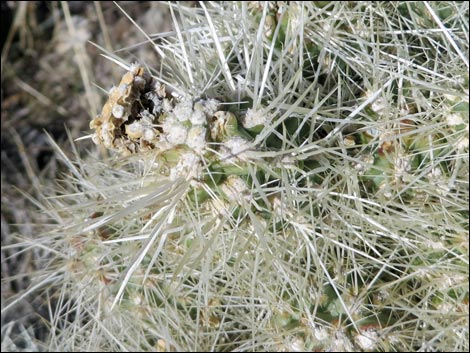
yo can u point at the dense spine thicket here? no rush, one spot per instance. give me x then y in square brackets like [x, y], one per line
[294, 177]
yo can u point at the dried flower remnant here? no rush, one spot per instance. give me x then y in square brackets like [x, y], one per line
[127, 121]
[139, 115]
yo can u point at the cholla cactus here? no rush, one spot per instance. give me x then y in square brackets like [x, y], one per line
[300, 183]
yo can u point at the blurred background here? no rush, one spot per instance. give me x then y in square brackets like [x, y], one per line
[53, 80]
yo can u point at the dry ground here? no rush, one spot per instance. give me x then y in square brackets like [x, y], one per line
[51, 79]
